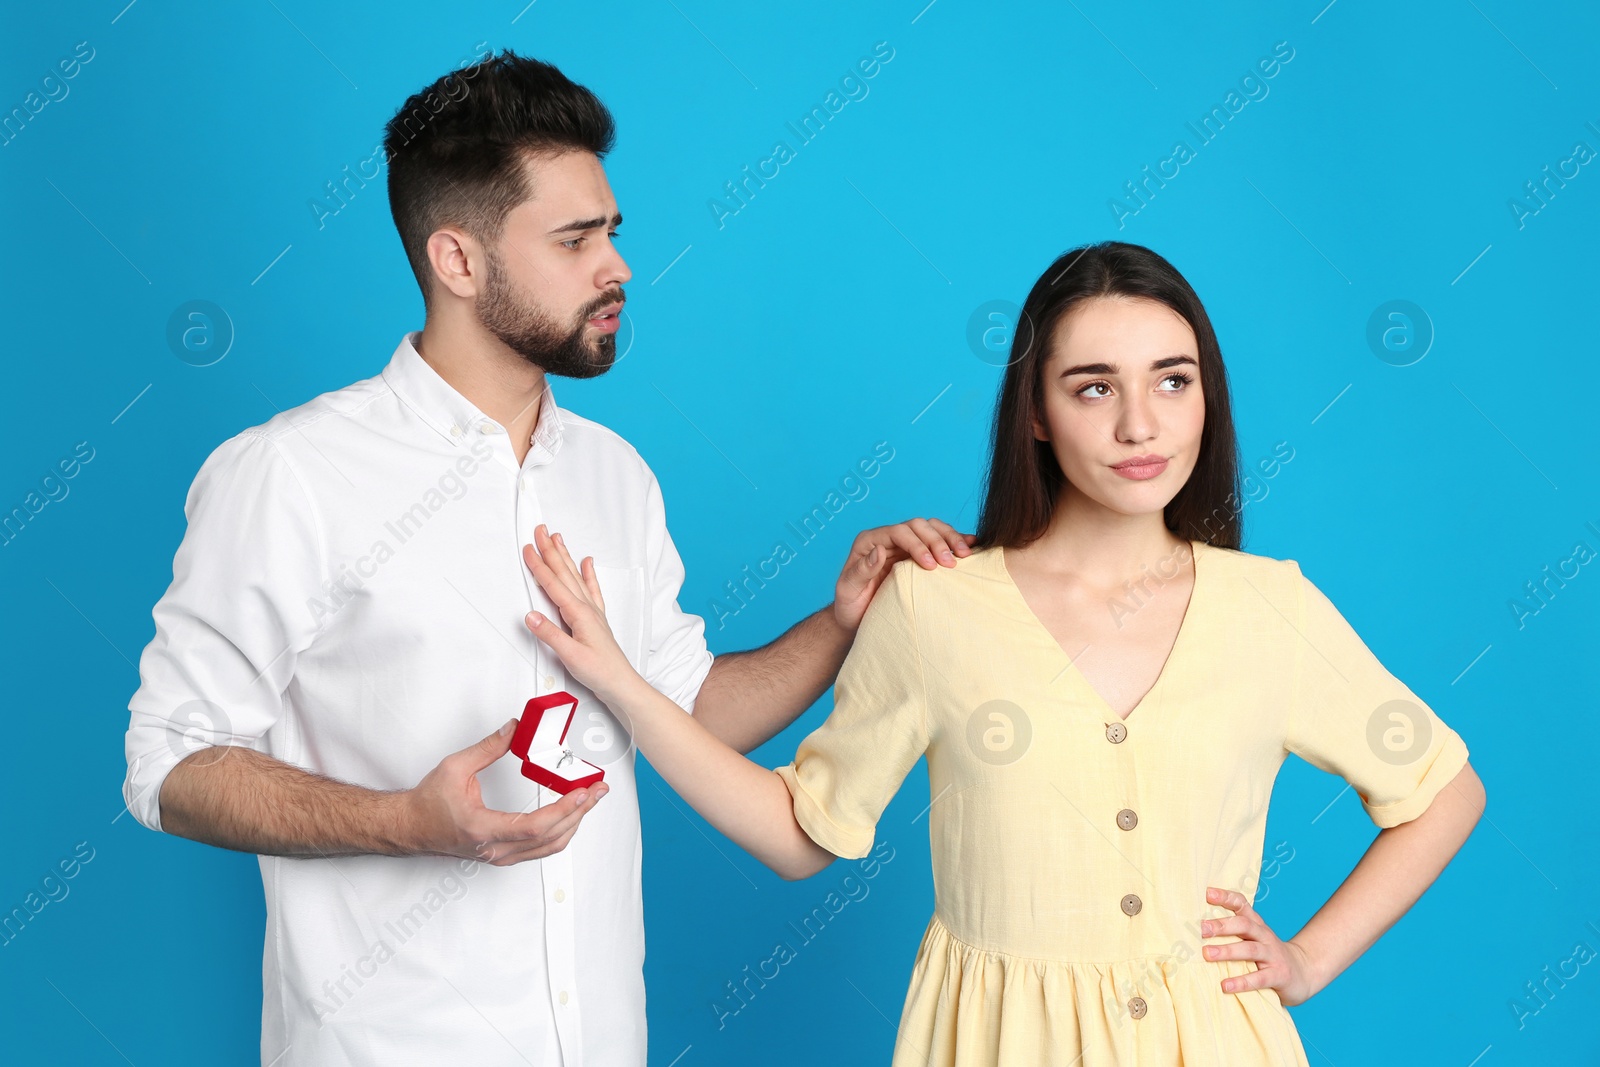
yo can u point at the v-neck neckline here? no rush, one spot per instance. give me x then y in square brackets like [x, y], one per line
[1179, 642]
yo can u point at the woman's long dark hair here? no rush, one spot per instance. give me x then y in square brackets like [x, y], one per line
[1023, 478]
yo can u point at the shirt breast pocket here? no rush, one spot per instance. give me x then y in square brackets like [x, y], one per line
[627, 609]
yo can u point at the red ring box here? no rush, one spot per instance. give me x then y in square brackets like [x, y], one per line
[539, 740]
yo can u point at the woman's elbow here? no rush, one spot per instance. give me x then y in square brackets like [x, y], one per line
[1472, 788]
[810, 859]
[1462, 803]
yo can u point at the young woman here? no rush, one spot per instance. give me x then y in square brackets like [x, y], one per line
[1105, 687]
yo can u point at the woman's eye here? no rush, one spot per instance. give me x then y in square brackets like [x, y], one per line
[1179, 377]
[1094, 385]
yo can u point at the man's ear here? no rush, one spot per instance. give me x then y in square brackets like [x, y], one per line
[458, 261]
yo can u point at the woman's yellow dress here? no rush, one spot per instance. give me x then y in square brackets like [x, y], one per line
[1072, 848]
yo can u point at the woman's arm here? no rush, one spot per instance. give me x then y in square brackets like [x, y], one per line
[747, 802]
[1396, 870]
[744, 800]
[750, 697]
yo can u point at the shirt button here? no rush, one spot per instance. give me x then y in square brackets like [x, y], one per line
[455, 431]
[1137, 1007]
[1116, 732]
[1127, 819]
[561, 894]
[549, 682]
[488, 427]
[1131, 904]
[563, 996]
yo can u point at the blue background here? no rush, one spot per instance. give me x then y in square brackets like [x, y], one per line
[832, 312]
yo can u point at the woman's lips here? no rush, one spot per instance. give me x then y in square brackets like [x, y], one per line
[1141, 471]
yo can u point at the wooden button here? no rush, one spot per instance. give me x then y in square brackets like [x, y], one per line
[1131, 904]
[1116, 732]
[1127, 819]
[1137, 1007]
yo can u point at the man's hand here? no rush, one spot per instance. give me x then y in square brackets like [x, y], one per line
[445, 814]
[928, 541]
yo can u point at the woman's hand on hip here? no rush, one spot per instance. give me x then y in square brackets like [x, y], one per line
[1280, 965]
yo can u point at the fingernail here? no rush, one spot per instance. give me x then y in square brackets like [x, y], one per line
[534, 618]
[580, 797]
[508, 727]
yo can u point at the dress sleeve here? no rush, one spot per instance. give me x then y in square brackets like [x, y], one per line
[846, 772]
[1349, 716]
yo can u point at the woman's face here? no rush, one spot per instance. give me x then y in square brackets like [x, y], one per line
[1122, 382]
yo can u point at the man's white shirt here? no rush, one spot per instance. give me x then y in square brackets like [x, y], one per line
[349, 598]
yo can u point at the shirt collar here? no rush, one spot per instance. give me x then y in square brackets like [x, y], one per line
[452, 415]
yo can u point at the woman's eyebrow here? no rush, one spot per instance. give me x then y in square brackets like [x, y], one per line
[1111, 368]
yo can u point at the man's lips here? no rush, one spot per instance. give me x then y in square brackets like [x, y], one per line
[607, 318]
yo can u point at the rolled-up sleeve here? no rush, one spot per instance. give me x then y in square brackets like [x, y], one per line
[246, 599]
[845, 773]
[1351, 717]
[678, 659]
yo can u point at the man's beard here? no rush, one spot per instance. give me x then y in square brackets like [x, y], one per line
[539, 339]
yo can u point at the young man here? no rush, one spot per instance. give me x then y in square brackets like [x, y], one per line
[347, 605]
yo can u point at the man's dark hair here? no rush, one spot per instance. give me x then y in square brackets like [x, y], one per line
[457, 151]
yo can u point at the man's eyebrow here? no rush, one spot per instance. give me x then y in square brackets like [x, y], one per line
[1111, 368]
[579, 225]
